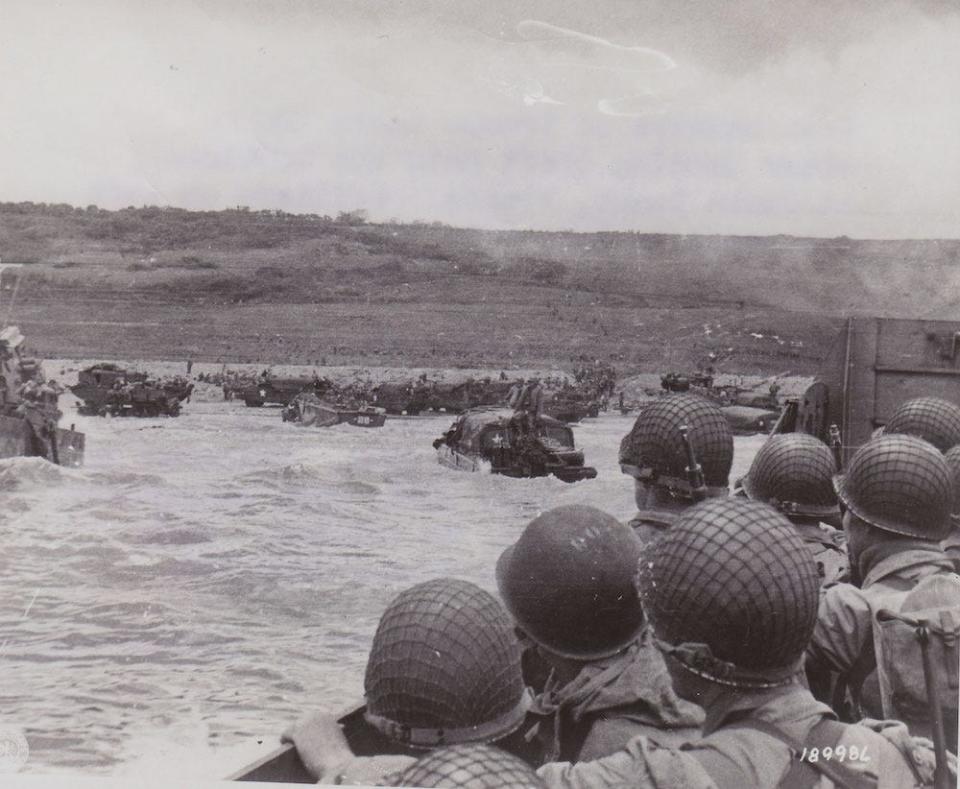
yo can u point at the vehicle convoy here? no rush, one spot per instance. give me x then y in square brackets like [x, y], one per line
[308, 410]
[495, 438]
[875, 365]
[29, 410]
[106, 389]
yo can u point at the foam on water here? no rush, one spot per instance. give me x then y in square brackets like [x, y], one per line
[200, 585]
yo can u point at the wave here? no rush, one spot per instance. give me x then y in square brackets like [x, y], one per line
[19, 473]
[303, 475]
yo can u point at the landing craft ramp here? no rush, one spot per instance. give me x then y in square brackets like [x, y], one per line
[875, 365]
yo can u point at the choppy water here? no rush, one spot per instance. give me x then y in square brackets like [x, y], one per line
[203, 581]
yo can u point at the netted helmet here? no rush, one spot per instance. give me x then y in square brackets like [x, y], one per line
[444, 667]
[568, 582]
[793, 472]
[653, 451]
[899, 484]
[930, 418]
[470, 767]
[952, 456]
[731, 591]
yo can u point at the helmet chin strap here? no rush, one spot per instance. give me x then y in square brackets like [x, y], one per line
[700, 660]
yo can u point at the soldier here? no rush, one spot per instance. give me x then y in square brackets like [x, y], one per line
[568, 583]
[951, 543]
[444, 669]
[731, 595]
[653, 452]
[929, 418]
[793, 472]
[898, 496]
[513, 396]
[468, 767]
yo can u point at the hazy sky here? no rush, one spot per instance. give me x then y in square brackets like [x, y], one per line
[810, 117]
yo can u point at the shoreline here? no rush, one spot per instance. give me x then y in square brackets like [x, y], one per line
[634, 386]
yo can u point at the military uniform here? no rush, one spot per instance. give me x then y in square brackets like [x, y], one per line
[951, 547]
[731, 597]
[611, 701]
[733, 755]
[589, 628]
[898, 493]
[650, 524]
[843, 637]
[829, 552]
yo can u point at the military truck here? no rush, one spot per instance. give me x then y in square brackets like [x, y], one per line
[29, 409]
[107, 389]
[494, 439]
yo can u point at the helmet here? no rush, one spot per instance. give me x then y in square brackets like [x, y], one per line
[952, 456]
[655, 447]
[930, 418]
[444, 667]
[794, 473]
[899, 484]
[731, 591]
[568, 582]
[470, 767]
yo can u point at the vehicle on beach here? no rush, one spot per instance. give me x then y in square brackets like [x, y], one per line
[748, 421]
[571, 405]
[494, 438]
[414, 397]
[308, 410]
[270, 390]
[875, 365]
[29, 412]
[106, 389]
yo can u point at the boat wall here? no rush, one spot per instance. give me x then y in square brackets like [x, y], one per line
[878, 363]
[16, 440]
[318, 414]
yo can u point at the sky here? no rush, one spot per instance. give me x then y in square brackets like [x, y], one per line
[748, 117]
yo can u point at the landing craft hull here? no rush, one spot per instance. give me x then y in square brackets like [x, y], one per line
[17, 440]
[283, 764]
[875, 365]
[308, 411]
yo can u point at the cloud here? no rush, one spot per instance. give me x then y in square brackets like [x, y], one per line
[544, 63]
[491, 116]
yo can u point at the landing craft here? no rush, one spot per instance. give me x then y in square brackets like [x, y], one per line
[282, 764]
[308, 410]
[29, 409]
[875, 365]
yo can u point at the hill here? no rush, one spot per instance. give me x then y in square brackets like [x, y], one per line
[268, 286]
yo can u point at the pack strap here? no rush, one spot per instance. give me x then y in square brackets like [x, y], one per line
[827, 733]
[852, 680]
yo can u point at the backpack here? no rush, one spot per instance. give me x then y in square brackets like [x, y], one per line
[805, 772]
[904, 694]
